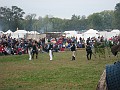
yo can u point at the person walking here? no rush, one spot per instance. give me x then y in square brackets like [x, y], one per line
[35, 50]
[30, 49]
[89, 51]
[73, 49]
[50, 48]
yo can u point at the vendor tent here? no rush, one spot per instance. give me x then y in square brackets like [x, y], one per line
[71, 33]
[34, 32]
[1, 33]
[8, 32]
[90, 33]
[106, 34]
[19, 34]
[115, 32]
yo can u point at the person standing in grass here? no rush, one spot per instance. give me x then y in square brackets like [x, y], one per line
[35, 49]
[73, 49]
[50, 48]
[89, 51]
[30, 49]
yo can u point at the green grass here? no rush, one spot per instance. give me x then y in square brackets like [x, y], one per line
[18, 73]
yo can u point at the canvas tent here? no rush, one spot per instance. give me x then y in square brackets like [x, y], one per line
[90, 33]
[1, 33]
[34, 32]
[8, 32]
[115, 32]
[78, 36]
[19, 34]
[71, 33]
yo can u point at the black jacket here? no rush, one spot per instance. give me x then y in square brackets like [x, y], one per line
[88, 49]
[50, 47]
[73, 48]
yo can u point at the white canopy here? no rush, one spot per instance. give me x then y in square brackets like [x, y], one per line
[91, 31]
[116, 31]
[71, 33]
[19, 34]
[21, 31]
[1, 33]
[8, 32]
[34, 32]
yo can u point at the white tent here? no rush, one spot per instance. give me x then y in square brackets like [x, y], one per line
[19, 34]
[106, 34]
[1, 33]
[34, 32]
[90, 33]
[71, 33]
[21, 31]
[115, 32]
[8, 32]
[78, 36]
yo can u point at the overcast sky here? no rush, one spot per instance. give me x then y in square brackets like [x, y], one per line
[61, 8]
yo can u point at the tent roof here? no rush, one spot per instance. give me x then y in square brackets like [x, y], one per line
[71, 32]
[1, 31]
[91, 31]
[20, 31]
[34, 32]
[115, 31]
[8, 32]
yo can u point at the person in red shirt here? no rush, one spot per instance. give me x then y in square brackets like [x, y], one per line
[2, 50]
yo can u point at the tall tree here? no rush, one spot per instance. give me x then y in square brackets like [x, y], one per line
[95, 21]
[5, 18]
[117, 16]
[17, 15]
[30, 19]
[83, 23]
[107, 19]
[10, 18]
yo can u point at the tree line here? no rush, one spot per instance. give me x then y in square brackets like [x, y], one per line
[13, 18]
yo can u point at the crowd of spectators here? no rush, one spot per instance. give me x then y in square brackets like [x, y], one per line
[13, 46]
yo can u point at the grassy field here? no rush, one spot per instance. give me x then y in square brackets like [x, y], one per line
[18, 73]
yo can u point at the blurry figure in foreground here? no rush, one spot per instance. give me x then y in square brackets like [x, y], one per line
[110, 79]
[115, 49]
